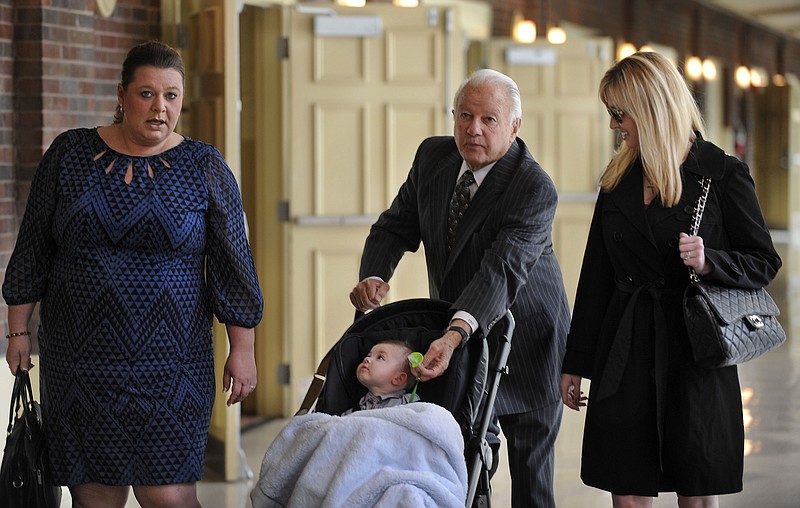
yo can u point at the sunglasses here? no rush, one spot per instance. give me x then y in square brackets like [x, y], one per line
[616, 114]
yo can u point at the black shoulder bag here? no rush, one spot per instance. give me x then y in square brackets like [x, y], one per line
[727, 325]
[25, 480]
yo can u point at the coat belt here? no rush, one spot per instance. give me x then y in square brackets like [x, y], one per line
[621, 346]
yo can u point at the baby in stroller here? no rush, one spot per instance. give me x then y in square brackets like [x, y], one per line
[388, 456]
[407, 455]
[386, 373]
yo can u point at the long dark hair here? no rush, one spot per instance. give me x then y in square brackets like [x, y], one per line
[148, 54]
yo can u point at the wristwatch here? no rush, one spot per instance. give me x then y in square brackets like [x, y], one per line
[461, 331]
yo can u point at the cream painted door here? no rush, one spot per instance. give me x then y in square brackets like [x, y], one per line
[770, 150]
[792, 261]
[211, 114]
[565, 127]
[357, 107]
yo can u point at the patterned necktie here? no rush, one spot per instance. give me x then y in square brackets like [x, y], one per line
[458, 206]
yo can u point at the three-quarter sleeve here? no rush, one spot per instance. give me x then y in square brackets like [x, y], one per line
[230, 271]
[28, 269]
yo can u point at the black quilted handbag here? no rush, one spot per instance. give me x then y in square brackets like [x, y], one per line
[25, 472]
[728, 325]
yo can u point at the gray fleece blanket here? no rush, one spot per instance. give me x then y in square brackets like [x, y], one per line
[403, 456]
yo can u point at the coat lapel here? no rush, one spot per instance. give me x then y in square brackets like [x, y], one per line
[704, 159]
[629, 199]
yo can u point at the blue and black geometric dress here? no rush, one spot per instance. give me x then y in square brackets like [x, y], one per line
[129, 276]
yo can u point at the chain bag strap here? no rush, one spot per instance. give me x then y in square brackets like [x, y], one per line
[697, 216]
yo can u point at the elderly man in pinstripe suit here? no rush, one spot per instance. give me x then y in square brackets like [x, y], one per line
[500, 255]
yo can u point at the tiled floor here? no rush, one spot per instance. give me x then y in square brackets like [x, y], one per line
[771, 389]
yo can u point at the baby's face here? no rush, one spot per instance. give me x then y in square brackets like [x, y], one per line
[382, 364]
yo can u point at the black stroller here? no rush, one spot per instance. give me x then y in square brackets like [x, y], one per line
[467, 389]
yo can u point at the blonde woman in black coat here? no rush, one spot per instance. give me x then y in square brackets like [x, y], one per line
[656, 422]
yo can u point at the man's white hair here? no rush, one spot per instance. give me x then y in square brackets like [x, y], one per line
[501, 81]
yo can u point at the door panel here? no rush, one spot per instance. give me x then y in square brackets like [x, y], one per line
[570, 231]
[362, 78]
[262, 191]
[792, 263]
[211, 115]
[339, 157]
[358, 107]
[565, 127]
[770, 154]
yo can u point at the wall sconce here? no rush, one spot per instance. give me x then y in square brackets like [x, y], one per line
[105, 7]
[694, 68]
[709, 70]
[352, 3]
[779, 79]
[556, 35]
[747, 78]
[759, 77]
[625, 50]
[525, 31]
[405, 3]
[743, 77]
[755, 78]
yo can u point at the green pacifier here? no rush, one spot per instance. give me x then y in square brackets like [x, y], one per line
[415, 360]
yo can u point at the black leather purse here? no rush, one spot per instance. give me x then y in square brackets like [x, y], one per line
[727, 325]
[25, 480]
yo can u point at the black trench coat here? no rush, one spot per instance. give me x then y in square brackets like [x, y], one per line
[655, 421]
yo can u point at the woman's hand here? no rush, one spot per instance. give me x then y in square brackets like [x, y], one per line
[571, 392]
[240, 375]
[693, 254]
[18, 353]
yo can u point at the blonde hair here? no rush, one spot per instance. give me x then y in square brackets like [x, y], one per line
[648, 87]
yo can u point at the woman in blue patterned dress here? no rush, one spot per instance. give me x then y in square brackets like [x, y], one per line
[133, 239]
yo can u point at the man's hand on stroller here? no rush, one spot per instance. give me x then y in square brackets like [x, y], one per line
[368, 294]
[437, 359]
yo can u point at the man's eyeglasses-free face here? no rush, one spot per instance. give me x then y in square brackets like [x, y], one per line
[616, 114]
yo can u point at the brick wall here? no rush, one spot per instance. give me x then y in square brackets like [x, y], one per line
[7, 192]
[60, 63]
